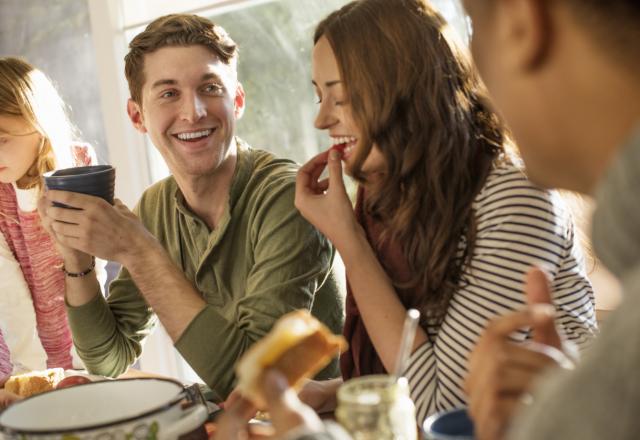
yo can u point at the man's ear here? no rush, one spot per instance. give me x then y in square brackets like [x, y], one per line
[135, 114]
[239, 101]
[527, 30]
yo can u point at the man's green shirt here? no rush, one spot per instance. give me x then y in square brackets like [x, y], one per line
[262, 261]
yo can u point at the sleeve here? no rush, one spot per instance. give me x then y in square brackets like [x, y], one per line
[108, 334]
[291, 260]
[18, 318]
[518, 226]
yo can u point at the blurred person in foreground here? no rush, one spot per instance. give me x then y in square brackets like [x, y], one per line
[566, 76]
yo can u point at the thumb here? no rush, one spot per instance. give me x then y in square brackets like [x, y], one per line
[275, 388]
[335, 171]
[538, 291]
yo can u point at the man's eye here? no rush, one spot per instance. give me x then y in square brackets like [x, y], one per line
[214, 89]
[4, 140]
[168, 94]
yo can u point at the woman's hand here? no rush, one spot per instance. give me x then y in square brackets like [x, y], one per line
[325, 203]
[320, 394]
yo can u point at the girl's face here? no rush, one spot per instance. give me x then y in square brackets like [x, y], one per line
[19, 147]
[334, 113]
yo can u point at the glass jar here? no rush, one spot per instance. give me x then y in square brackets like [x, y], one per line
[377, 408]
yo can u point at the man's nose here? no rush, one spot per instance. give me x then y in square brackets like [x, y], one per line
[193, 108]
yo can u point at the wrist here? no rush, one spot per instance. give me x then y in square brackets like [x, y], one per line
[76, 262]
[139, 253]
[73, 273]
[354, 247]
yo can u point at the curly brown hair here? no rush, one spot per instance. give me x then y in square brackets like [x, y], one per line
[175, 30]
[415, 95]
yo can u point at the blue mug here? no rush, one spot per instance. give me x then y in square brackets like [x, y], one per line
[449, 425]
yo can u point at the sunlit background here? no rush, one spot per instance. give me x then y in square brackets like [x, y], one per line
[80, 44]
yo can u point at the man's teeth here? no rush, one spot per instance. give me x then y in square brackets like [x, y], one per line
[193, 135]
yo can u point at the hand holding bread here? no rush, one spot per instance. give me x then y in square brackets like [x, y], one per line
[298, 347]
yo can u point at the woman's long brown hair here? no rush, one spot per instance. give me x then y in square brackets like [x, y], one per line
[414, 94]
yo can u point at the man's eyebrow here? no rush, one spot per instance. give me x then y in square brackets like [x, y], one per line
[328, 83]
[210, 75]
[164, 82]
[173, 82]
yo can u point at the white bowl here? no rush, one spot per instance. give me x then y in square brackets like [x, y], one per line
[147, 408]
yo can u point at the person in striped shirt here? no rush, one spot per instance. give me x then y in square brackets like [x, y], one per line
[35, 137]
[445, 219]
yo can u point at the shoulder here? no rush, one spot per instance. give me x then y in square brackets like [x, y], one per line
[271, 170]
[272, 179]
[157, 203]
[162, 189]
[508, 193]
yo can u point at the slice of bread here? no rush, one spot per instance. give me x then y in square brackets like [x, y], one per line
[298, 346]
[34, 382]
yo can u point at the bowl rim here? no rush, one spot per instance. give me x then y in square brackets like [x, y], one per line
[47, 431]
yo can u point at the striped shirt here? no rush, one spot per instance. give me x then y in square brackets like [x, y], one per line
[518, 226]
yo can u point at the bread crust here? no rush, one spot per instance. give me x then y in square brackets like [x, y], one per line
[34, 382]
[298, 346]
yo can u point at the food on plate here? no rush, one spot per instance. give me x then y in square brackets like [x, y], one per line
[71, 381]
[34, 382]
[298, 346]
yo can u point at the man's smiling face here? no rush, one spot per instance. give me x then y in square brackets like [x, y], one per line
[190, 103]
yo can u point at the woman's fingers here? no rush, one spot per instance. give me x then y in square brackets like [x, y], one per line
[313, 167]
[335, 171]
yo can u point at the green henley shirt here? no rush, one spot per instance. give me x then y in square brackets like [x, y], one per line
[263, 261]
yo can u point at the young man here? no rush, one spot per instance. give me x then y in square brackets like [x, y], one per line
[217, 252]
[565, 75]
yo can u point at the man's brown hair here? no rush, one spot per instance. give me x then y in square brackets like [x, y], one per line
[175, 30]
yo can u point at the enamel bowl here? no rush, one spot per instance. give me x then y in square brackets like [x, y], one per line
[144, 408]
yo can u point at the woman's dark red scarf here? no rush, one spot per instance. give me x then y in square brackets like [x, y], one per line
[361, 358]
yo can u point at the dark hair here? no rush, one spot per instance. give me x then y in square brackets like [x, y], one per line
[414, 94]
[175, 30]
[614, 22]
